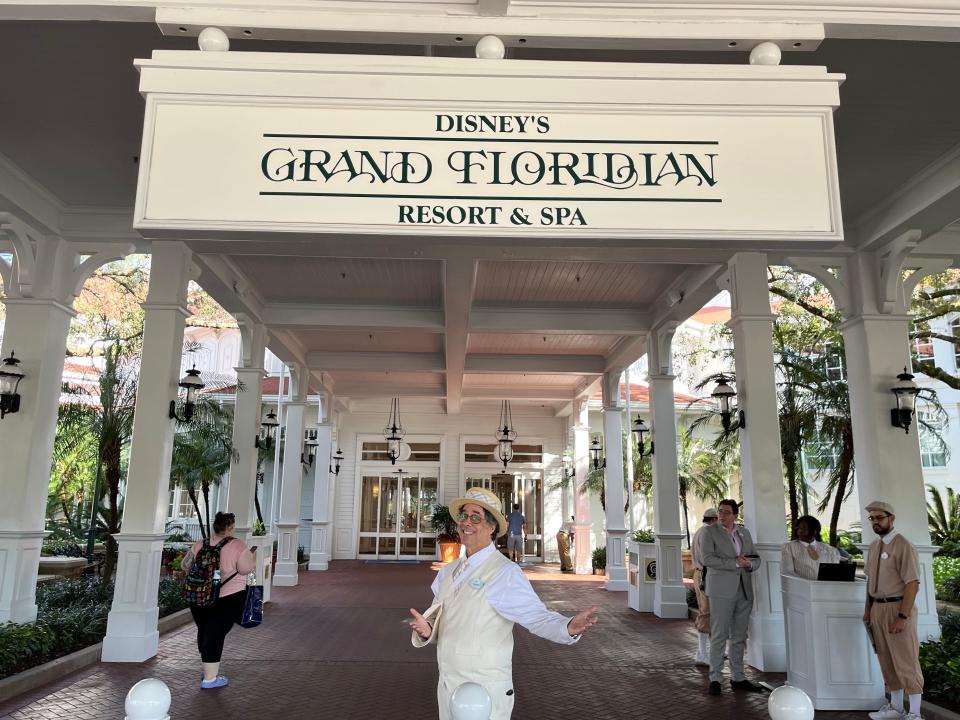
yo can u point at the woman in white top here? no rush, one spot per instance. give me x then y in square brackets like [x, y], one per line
[802, 557]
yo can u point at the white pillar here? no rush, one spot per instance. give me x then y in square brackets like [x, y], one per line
[613, 479]
[582, 555]
[246, 426]
[764, 508]
[132, 624]
[38, 319]
[887, 459]
[288, 525]
[670, 595]
[320, 541]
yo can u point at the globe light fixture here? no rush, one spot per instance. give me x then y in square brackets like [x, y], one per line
[192, 383]
[640, 429]
[10, 377]
[393, 433]
[505, 434]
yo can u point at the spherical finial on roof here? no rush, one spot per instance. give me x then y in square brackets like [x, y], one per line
[148, 700]
[490, 47]
[213, 39]
[766, 53]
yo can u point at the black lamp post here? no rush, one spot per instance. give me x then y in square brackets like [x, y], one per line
[640, 429]
[906, 392]
[264, 441]
[192, 383]
[10, 377]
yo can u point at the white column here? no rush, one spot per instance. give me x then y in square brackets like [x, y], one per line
[581, 500]
[613, 478]
[132, 624]
[320, 541]
[246, 426]
[764, 509]
[288, 525]
[36, 330]
[670, 595]
[887, 459]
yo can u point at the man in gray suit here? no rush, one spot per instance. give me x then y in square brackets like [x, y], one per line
[729, 557]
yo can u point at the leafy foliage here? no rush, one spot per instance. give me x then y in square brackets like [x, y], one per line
[944, 520]
[599, 558]
[940, 661]
[444, 525]
[945, 569]
[643, 536]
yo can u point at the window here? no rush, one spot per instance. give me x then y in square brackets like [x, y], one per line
[833, 363]
[487, 452]
[923, 349]
[373, 451]
[955, 327]
[932, 451]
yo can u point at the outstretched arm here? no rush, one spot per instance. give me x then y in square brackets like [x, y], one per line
[582, 622]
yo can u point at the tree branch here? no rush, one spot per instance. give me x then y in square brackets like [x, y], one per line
[932, 371]
[800, 302]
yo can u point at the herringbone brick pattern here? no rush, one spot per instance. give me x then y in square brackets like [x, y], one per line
[336, 647]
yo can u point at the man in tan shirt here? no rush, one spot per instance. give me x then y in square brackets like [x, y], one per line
[893, 580]
[703, 602]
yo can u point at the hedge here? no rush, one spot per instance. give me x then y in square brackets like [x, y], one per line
[940, 662]
[72, 615]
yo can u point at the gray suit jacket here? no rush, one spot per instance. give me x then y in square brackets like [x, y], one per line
[719, 557]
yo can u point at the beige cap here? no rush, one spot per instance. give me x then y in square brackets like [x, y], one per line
[710, 513]
[881, 506]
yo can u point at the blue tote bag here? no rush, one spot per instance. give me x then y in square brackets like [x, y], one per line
[252, 607]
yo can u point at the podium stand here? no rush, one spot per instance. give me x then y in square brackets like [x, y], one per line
[829, 655]
[641, 575]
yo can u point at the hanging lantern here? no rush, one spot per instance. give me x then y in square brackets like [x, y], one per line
[192, 383]
[393, 433]
[596, 453]
[505, 434]
[640, 429]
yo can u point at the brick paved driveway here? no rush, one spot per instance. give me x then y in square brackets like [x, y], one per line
[334, 647]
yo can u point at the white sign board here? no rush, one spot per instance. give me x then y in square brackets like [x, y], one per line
[320, 164]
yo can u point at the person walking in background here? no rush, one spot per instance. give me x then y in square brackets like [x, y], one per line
[516, 534]
[802, 557]
[215, 620]
[703, 602]
[564, 542]
[729, 557]
[893, 581]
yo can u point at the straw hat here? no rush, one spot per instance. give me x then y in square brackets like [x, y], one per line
[485, 499]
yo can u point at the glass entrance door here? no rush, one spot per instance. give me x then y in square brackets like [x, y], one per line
[523, 487]
[395, 511]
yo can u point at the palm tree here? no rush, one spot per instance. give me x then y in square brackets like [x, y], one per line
[699, 472]
[944, 520]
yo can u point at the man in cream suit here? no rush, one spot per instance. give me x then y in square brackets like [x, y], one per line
[477, 600]
[729, 557]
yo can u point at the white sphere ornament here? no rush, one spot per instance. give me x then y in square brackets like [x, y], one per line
[148, 700]
[470, 702]
[213, 39]
[789, 703]
[766, 53]
[490, 47]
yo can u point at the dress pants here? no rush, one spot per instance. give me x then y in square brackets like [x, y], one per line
[729, 619]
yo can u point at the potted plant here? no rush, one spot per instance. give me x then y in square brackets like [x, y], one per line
[448, 539]
[599, 561]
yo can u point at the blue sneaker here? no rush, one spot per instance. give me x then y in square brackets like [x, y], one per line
[218, 682]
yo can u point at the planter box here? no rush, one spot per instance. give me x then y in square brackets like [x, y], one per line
[63, 566]
[687, 563]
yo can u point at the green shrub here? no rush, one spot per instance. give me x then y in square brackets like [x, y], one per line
[940, 661]
[63, 548]
[170, 598]
[599, 558]
[22, 647]
[949, 548]
[951, 589]
[67, 593]
[643, 536]
[847, 540]
[944, 568]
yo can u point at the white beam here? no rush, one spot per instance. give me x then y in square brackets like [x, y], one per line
[366, 317]
[626, 352]
[545, 364]
[459, 279]
[493, 7]
[560, 320]
[356, 390]
[546, 393]
[432, 362]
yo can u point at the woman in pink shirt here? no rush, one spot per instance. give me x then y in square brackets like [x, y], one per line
[216, 620]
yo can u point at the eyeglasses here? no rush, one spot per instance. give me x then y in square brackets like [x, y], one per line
[474, 518]
[877, 518]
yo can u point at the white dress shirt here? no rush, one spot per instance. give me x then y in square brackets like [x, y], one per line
[511, 596]
[795, 558]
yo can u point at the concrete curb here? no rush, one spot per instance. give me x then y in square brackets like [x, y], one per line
[935, 712]
[55, 669]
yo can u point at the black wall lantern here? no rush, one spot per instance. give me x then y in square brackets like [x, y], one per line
[640, 429]
[269, 424]
[569, 469]
[723, 393]
[505, 434]
[393, 433]
[10, 377]
[310, 443]
[192, 383]
[337, 459]
[596, 453]
[906, 392]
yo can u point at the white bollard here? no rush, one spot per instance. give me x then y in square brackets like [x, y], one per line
[789, 703]
[470, 702]
[148, 700]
